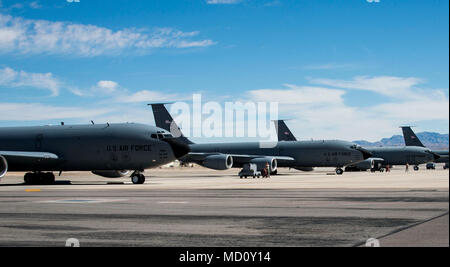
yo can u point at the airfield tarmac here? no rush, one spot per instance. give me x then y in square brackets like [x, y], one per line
[200, 207]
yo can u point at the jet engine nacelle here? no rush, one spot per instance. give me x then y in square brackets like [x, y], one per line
[261, 163]
[366, 164]
[3, 166]
[218, 162]
[112, 174]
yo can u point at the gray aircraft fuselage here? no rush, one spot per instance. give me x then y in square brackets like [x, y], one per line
[443, 154]
[402, 155]
[411, 139]
[126, 146]
[328, 153]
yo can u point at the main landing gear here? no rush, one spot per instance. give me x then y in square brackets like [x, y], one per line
[137, 177]
[416, 168]
[39, 178]
[339, 171]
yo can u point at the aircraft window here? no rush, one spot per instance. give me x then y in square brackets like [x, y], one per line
[160, 136]
[154, 136]
[168, 136]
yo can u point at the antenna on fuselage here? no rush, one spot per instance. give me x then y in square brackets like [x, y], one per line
[93, 123]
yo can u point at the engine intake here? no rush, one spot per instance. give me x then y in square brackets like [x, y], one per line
[3, 166]
[261, 163]
[366, 164]
[112, 174]
[218, 162]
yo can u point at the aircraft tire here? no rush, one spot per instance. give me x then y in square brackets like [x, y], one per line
[47, 178]
[416, 168]
[339, 171]
[138, 179]
[29, 178]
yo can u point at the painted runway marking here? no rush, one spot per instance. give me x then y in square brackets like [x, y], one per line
[32, 190]
[81, 201]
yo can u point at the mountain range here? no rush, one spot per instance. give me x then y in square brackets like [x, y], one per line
[429, 139]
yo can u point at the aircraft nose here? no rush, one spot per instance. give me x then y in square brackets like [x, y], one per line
[366, 153]
[179, 149]
[436, 156]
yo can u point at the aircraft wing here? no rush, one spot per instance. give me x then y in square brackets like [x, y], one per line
[237, 157]
[375, 160]
[25, 155]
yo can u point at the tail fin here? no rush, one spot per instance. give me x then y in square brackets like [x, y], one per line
[410, 137]
[164, 120]
[283, 132]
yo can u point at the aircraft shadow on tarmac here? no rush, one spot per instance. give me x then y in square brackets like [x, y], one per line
[64, 182]
[68, 182]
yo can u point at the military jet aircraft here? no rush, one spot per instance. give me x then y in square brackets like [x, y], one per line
[411, 139]
[297, 154]
[108, 150]
[381, 156]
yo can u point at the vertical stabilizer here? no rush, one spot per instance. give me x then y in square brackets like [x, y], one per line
[283, 132]
[164, 120]
[410, 137]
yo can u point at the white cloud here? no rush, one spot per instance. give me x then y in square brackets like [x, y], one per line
[321, 112]
[145, 96]
[216, 2]
[299, 95]
[315, 111]
[111, 91]
[26, 36]
[415, 110]
[35, 5]
[24, 4]
[13, 78]
[398, 87]
[107, 86]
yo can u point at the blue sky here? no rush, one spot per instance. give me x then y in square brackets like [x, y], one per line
[375, 65]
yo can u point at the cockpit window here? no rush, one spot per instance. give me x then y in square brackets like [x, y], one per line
[161, 135]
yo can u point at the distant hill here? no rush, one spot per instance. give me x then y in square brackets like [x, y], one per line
[429, 139]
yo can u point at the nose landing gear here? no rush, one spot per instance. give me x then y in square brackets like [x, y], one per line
[339, 171]
[137, 177]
